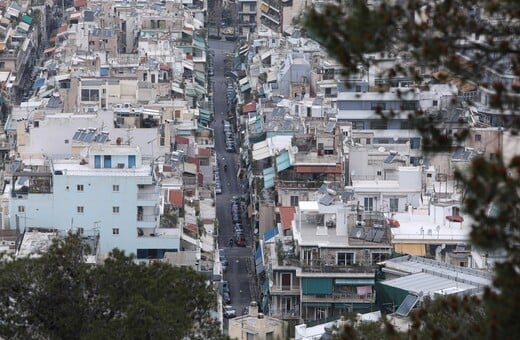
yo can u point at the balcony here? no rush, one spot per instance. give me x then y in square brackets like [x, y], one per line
[148, 198]
[286, 314]
[340, 298]
[285, 290]
[323, 268]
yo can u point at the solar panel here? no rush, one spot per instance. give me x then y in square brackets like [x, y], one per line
[357, 232]
[326, 200]
[406, 306]
[76, 135]
[90, 136]
[370, 235]
[378, 237]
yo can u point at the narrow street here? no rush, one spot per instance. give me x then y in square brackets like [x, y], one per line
[240, 271]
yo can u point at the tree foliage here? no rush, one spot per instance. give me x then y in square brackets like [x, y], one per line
[59, 296]
[462, 40]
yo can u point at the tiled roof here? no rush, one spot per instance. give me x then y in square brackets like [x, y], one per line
[287, 216]
[204, 152]
[176, 198]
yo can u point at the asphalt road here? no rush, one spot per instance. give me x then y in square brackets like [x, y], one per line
[241, 267]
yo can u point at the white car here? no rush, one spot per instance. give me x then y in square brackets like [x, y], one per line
[229, 312]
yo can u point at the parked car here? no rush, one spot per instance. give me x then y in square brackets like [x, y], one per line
[229, 312]
[226, 297]
[240, 239]
[225, 287]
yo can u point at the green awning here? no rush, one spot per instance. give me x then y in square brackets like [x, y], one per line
[245, 87]
[355, 282]
[200, 76]
[199, 89]
[316, 304]
[319, 286]
[199, 44]
[27, 19]
[190, 92]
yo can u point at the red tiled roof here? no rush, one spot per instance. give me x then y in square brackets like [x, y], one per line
[182, 140]
[80, 3]
[204, 152]
[324, 169]
[249, 107]
[192, 227]
[176, 198]
[287, 216]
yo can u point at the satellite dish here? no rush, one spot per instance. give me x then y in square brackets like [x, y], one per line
[381, 149]
[295, 149]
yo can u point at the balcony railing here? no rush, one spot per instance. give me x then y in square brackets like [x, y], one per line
[285, 289]
[317, 267]
[285, 314]
[340, 297]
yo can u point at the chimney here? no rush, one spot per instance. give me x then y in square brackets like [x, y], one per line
[253, 309]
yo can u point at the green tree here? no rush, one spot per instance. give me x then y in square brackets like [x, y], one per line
[457, 39]
[59, 296]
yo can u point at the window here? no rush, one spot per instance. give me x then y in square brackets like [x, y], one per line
[321, 313]
[369, 204]
[358, 88]
[435, 103]
[250, 336]
[115, 187]
[80, 209]
[81, 231]
[379, 173]
[269, 336]
[90, 95]
[379, 257]
[294, 201]
[394, 204]
[66, 141]
[478, 138]
[115, 210]
[368, 141]
[115, 231]
[345, 259]
[377, 106]
[21, 209]
[408, 105]
[79, 187]
[455, 211]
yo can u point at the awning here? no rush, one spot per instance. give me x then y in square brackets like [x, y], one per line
[245, 88]
[283, 161]
[270, 234]
[261, 150]
[27, 19]
[355, 282]
[259, 260]
[417, 249]
[38, 83]
[455, 218]
[268, 177]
